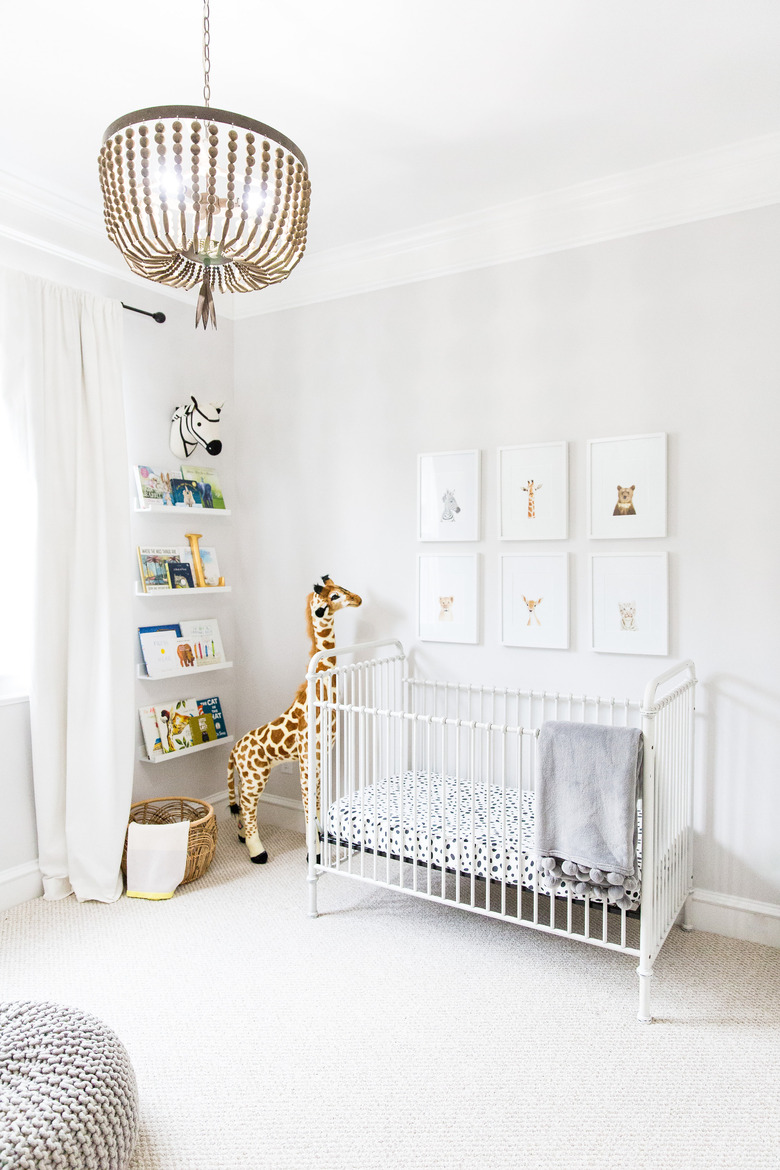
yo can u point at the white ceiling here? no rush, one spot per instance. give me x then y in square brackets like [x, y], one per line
[410, 112]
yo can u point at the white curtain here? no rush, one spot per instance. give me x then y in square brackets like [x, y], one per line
[61, 382]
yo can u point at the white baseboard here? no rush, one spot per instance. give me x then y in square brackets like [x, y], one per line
[735, 917]
[274, 810]
[20, 884]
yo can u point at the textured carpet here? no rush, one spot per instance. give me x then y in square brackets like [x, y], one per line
[391, 1032]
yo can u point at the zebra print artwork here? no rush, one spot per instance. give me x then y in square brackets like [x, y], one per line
[450, 506]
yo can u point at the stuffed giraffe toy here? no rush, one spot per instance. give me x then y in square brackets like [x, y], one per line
[285, 738]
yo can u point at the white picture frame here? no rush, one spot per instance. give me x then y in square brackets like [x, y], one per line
[448, 496]
[629, 603]
[447, 598]
[535, 601]
[627, 487]
[533, 492]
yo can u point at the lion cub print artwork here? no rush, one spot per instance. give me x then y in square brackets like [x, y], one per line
[627, 615]
[532, 608]
[625, 501]
[445, 609]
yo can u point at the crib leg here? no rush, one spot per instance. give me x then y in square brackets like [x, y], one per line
[645, 975]
[686, 923]
[312, 881]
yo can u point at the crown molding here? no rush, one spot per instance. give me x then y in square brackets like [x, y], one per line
[739, 177]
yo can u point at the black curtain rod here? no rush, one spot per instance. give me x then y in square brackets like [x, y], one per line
[159, 317]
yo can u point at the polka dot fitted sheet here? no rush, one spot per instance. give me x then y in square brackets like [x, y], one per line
[372, 819]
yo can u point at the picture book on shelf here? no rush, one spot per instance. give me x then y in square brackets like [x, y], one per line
[150, 730]
[203, 636]
[208, 558]
[213, 708]
[179, 575]
[153, 564]
[203, 730]
[207, 481]
[174, 626]
[159, 651]
[186, 493]
[153, 486]
[173, 721]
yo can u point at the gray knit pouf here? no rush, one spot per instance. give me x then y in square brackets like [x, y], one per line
[68, 1095]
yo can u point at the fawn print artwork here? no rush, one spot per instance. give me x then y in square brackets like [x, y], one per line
[627, 487]
[535, 601]
[629, 604]
[447, 599]
[448, 496]
[533, 491]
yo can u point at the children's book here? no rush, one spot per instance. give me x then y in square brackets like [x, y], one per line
[186, 493]
[150, 731]
[173, 721]
[153, 565]
[173, 626]
[180, 575]
[203, 730]
[203, 636]
[153, 486]
[208, 558]
[213, 708]
[159, 651]
[206, 477]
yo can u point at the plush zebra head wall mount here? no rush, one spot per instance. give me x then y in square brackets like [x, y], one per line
[193, 425]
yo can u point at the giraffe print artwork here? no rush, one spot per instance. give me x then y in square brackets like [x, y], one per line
[284, 738]
[532, 488]
[450, 506]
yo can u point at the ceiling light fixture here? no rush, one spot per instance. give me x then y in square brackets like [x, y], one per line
[228, 208]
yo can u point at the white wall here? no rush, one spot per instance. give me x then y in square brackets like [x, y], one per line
[163, 365]
[672, 331]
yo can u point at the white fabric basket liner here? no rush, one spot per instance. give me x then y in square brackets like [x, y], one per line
[371, 819]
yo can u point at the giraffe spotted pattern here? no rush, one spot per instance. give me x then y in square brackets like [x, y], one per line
[284, 738]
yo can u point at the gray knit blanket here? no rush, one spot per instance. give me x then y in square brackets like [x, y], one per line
[586, 792]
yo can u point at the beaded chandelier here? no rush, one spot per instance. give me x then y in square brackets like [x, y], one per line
[194, 195]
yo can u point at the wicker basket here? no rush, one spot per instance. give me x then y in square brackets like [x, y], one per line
[203, 829]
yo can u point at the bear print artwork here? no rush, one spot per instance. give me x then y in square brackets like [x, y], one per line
[625, 501]
[445, 610]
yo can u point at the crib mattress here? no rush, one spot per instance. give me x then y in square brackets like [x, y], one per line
[372, 819]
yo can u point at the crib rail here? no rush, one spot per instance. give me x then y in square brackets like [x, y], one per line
[427, 788]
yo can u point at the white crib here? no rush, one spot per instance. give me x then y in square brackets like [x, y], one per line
[427, 788]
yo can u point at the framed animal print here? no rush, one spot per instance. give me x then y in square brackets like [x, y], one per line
[447, 599]
[535, 601]
[448, 496]
[627, 487]
[533, 492]
[630, 604]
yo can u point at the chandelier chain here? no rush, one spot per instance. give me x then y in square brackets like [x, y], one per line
[206, 59]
